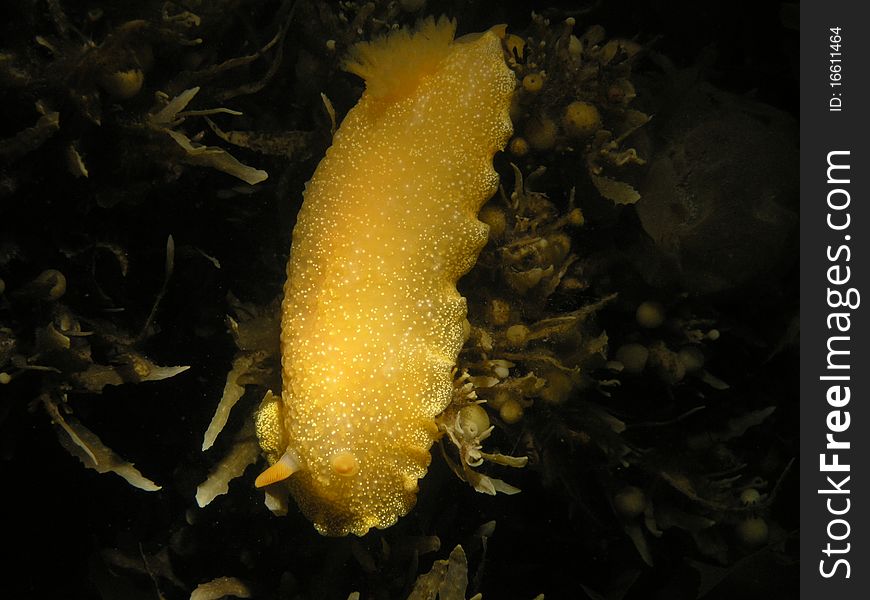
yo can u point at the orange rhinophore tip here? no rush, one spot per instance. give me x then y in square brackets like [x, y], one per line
[281, 470]
[345, 464]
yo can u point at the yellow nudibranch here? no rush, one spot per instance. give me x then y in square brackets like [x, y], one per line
[372, 322]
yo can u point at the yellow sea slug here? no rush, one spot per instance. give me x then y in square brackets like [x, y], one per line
[371, 319]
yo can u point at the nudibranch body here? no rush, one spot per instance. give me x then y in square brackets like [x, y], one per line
[371, 319]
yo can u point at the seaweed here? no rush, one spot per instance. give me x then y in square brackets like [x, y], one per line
[632, 357]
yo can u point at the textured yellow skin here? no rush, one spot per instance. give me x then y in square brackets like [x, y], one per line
[371, 319]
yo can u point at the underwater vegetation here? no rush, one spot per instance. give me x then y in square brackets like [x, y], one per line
[621, 419]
